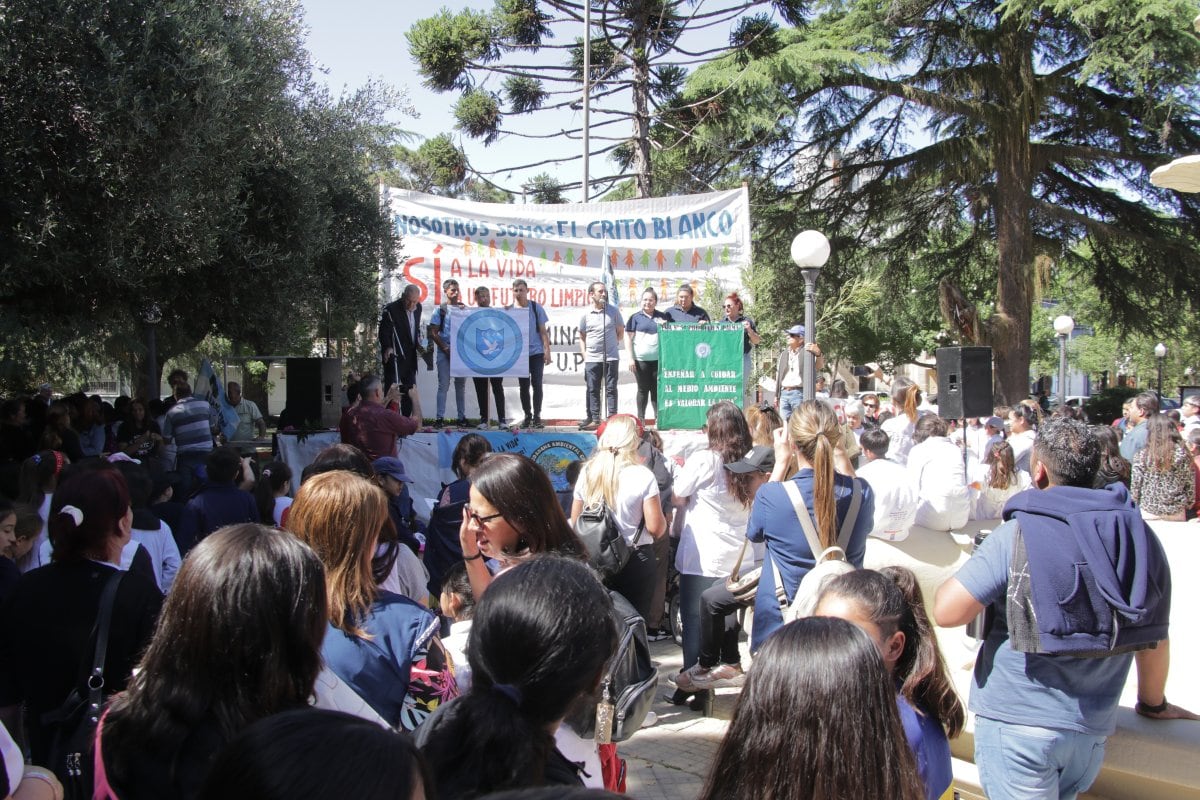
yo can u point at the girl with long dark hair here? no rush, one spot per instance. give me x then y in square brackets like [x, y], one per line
[996, 480]
[1163, 482]
[1114, 468]
[239, 640]
[513, 513]
[539, 642]
[887, 605]
[817, 720]
[809, 442]
[271, 492]
[1023, 425]
[716, 505]
[39, 477]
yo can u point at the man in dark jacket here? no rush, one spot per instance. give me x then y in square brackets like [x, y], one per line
[218, 503]
[1079, 588]
[400, 344]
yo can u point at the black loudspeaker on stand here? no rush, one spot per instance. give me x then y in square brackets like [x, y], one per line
[964, 381]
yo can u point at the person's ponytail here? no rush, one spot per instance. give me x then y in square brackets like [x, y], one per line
[921, 669]
[813, 427]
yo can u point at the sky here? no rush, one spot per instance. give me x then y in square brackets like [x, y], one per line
[354, 41]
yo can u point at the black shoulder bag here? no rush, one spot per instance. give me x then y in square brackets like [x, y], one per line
[74, 722]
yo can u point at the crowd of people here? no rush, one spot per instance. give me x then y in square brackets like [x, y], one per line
[255, 632]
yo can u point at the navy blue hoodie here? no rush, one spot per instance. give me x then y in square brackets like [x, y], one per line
[1099, 577]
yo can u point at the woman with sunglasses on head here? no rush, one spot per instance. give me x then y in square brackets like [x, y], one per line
[382, 645]
[512, 513]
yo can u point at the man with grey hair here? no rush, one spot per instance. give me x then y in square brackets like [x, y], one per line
[1051, 671]
[1145, 406]
[400, 343]
[372, 426]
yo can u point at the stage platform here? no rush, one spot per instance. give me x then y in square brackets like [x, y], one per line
[426, 454]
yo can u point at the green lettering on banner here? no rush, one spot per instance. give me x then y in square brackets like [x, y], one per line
[698, 366]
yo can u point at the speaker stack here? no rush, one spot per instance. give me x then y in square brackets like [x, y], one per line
[964, 382]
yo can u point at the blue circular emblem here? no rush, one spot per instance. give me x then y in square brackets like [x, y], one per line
[489, 342]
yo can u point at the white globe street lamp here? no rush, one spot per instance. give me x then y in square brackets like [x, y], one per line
[1063, 325]
[810, 251]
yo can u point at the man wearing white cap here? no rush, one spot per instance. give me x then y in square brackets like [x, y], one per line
[789, 372]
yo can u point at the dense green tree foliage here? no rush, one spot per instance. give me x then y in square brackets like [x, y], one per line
[971, 146]
[177, 154]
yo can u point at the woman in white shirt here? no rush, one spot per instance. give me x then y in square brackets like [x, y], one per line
[718, 507]
[905, 399]
[614, 476]
[1022, 423]
[996, 480]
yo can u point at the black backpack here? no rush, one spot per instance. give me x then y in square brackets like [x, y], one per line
[607, 550]
[630, 678]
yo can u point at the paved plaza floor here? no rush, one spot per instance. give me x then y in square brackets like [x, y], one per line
[671, 759]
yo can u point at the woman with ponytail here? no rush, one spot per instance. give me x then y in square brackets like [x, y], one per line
[271, 493]
[615, 477]
[541, 636]
[889, 607]
[808, 442]
[46, 638]
[905, 399]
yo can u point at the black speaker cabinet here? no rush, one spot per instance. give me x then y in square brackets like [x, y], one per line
[314, 390]
[964, 380]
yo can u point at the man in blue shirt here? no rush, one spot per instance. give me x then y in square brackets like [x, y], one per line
[1051, 671]
[539, 354]
[439, 335]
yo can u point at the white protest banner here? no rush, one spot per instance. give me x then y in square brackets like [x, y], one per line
[489, 343]
[559, 250]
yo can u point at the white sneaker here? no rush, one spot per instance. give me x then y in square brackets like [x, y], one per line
[651, 719]
[483, 426]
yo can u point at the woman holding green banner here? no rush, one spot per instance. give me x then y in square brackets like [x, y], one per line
[642, 346]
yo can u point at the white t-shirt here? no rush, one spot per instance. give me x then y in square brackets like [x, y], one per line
[714, 527]
[936, 466]
[1022, 447]
[987, 502]
[408, 577]
[456, 646]
[635, 483]
[900, 437]
[895, 498]
[281, 504]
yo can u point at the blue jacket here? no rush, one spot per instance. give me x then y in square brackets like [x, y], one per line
[214, 506]
[1099, 578]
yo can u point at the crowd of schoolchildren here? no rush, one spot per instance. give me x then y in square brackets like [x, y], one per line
[249, 640]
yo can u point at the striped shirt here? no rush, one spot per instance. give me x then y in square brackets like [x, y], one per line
[189, 423]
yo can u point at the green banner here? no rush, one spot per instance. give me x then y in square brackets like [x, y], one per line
[698, 365]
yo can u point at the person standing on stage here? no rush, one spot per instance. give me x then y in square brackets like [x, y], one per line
[734, 313]
[642, 345]
[483, 299]
[439, 335]
[400, 343]
[685, 310]
[789, 371]
[601, 330]
[539, 354]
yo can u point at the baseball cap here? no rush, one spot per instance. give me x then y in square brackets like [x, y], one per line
[761, 458]
[390, 465]
[795, 330]
[994, 422]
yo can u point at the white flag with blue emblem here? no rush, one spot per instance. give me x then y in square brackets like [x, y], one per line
[489, 342]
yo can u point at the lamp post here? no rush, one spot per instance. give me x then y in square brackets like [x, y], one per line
[1063, 325]
[810, 251]
[1160, 352]
[151, 315]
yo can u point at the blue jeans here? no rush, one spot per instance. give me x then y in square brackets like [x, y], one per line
[460, 388]
[537, 368]
[593, 373]
[1020, 762]
[789, 399]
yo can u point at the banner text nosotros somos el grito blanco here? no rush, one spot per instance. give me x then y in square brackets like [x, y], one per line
[561, 249]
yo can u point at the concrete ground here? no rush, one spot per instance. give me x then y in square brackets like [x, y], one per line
[671, 759]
